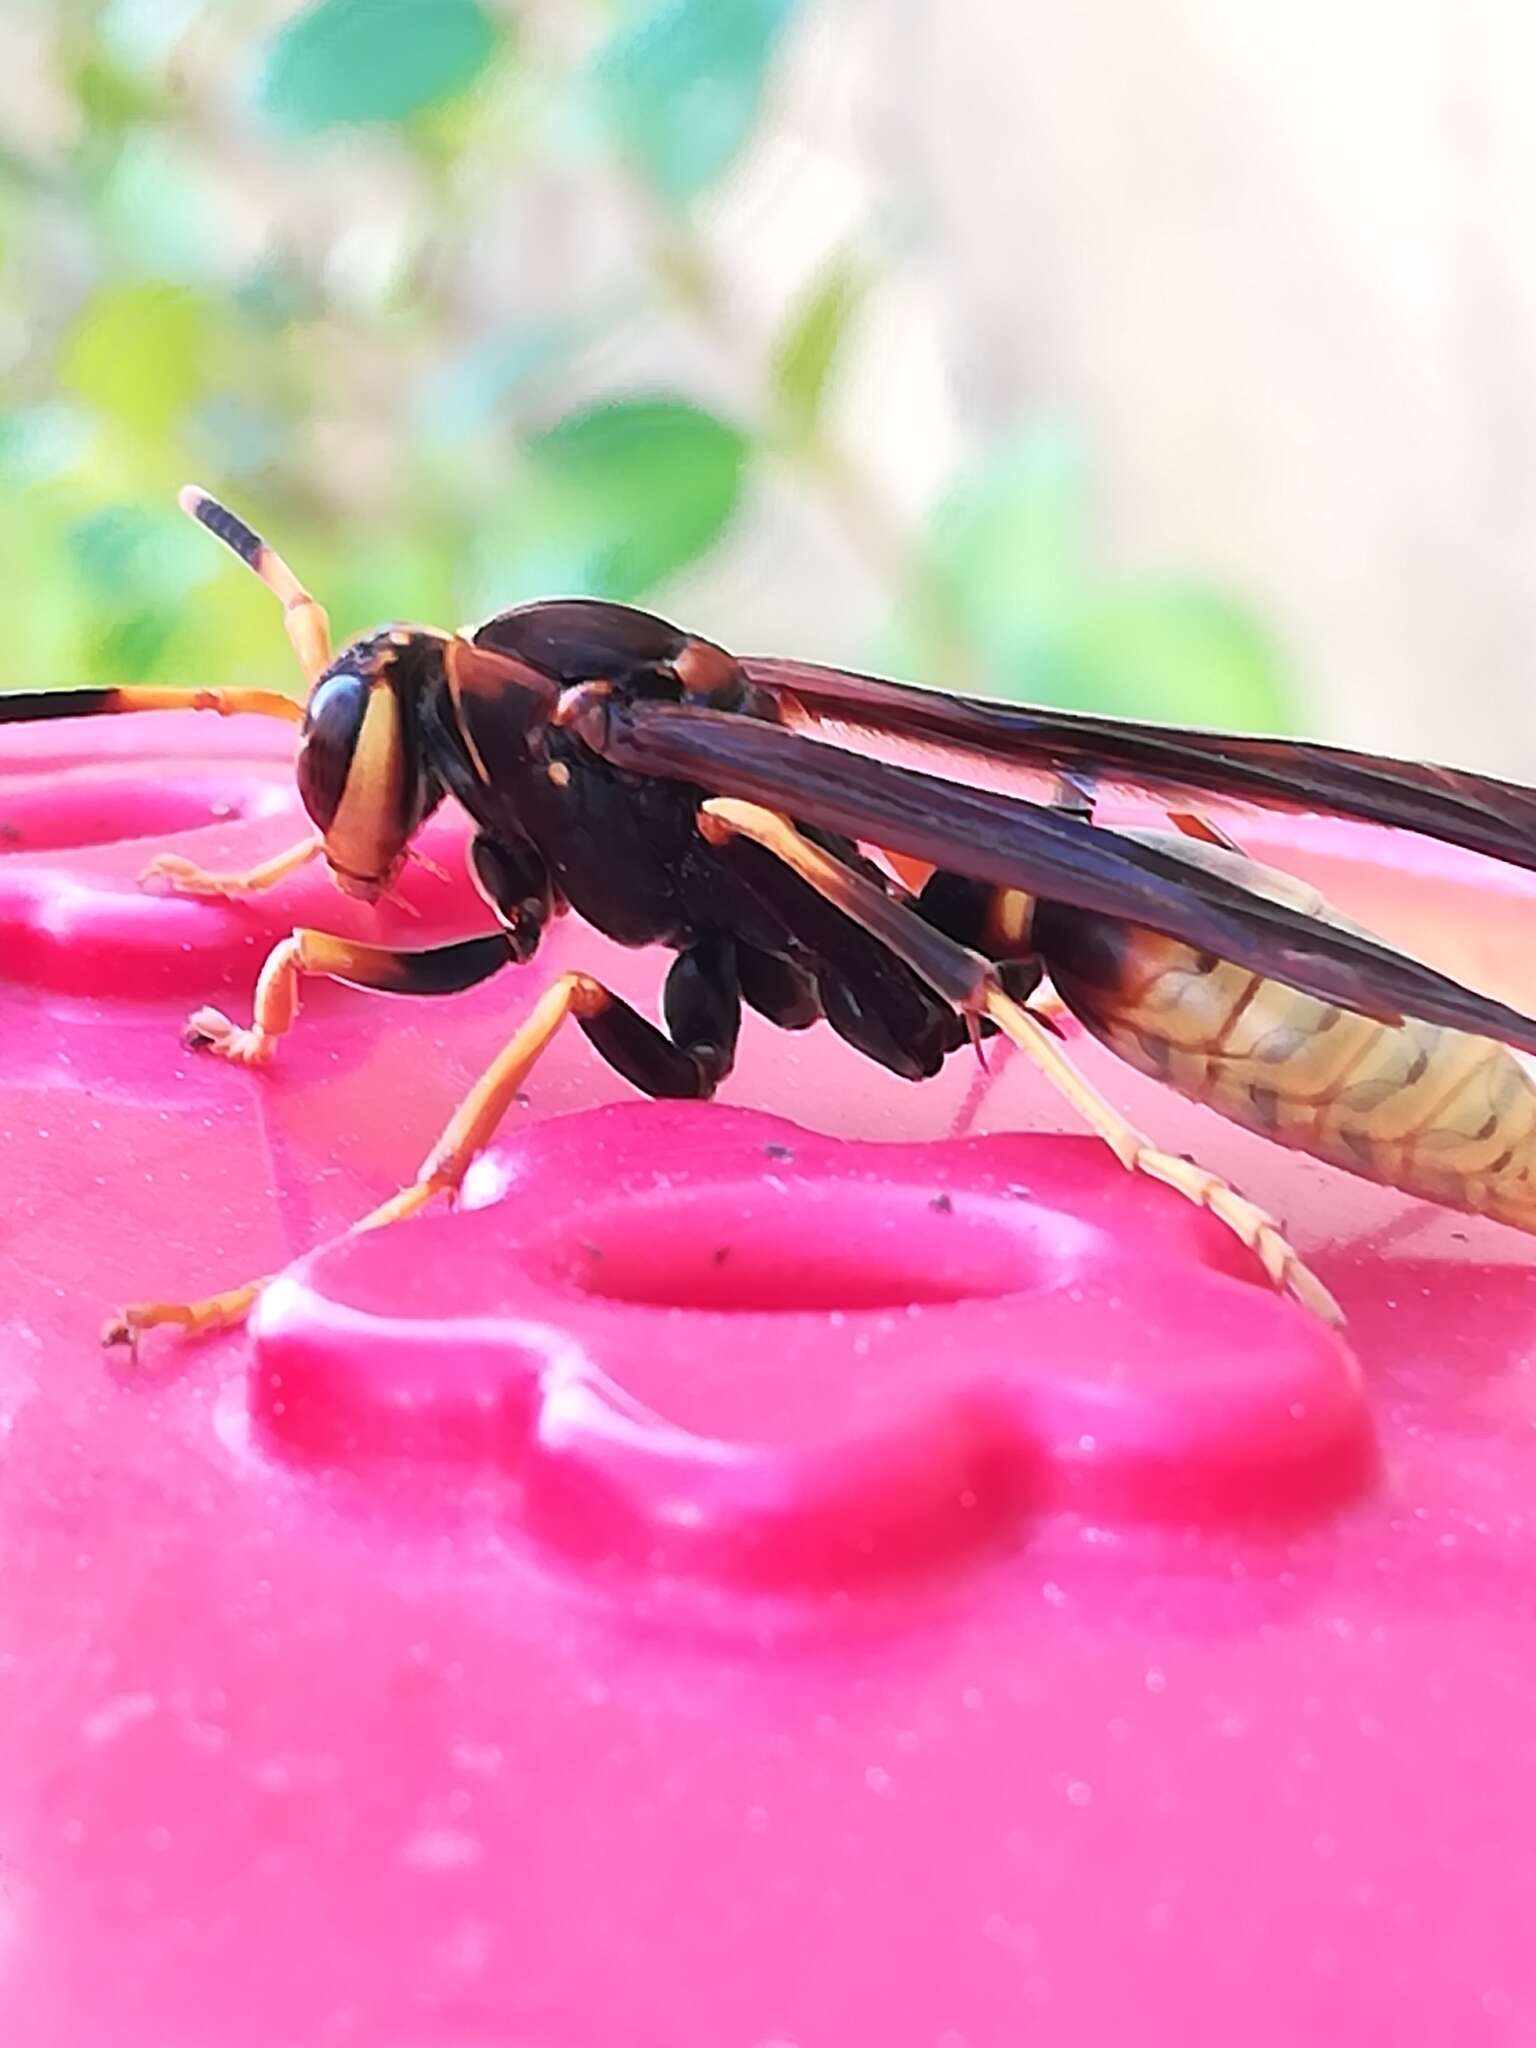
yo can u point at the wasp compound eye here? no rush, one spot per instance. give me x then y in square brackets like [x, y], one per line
[333, 727]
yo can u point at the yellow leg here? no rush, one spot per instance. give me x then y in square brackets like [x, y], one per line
[475, 1122]
[228, 703]
[469, 1130]
[432, 970]
[186, 878]
[969, 980]
[1251, 1225]
[276, 1004]
[192, 1318]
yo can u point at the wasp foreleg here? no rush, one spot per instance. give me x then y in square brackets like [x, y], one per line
[703, 1009]
[433, 971]
[22, 707]
[469, 1130]
[186, 878]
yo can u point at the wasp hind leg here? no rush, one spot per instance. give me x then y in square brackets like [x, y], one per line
[1252, 1226]
[976, 987]
[703, 1010]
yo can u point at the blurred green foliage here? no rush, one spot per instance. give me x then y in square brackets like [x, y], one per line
[348, 63]
[371, 269]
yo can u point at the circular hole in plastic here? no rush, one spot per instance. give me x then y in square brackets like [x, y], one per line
[814, 1248]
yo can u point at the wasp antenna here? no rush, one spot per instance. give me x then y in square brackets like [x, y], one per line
[308, 628]
[202, 506]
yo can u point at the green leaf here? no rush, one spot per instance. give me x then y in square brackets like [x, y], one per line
[112, 98]
[159, 212]
[1004, 570]
[46, 636]
[1179, 652]
[347, 63]
[807, 350]
[128, 648]
[680, 83]
[139, 353]
[130, 555]
[383, 575]
[40, 443]
[465, 393]
[1010, 580]
[635, 488]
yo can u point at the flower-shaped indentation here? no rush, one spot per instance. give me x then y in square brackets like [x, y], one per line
[706, 1341]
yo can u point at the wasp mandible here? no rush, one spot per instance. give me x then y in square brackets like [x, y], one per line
[735, 811]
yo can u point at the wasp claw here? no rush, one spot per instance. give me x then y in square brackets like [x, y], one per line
[169, 875]
[211, 1031]
[118, 1333]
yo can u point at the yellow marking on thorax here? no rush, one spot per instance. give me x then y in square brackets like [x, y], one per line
[1009, 916]
[453, 669]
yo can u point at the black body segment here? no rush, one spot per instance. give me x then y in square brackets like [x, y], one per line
[649, 1060]
[869, 997]
[701, 1001]
[21, 707]
[427, 971]
[780, 990]
[515, 882]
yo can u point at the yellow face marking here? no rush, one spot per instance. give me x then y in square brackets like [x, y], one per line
[364, 838]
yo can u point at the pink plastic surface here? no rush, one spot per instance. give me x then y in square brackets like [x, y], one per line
[822, 1570]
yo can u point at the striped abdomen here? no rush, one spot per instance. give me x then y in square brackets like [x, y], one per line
[1434, 1112]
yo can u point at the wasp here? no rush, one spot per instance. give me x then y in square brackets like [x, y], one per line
[739, 813]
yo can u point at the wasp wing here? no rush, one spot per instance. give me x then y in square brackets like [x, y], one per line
[1014, 844]
[973, 737]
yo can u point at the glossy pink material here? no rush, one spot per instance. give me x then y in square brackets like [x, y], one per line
[824, 1570]
[1005, 1304]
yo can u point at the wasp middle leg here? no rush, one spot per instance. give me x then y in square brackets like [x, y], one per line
[704, 1013]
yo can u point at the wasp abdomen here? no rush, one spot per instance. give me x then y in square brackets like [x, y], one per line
[1434, 1112]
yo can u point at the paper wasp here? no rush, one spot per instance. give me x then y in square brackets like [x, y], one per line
[732, 811]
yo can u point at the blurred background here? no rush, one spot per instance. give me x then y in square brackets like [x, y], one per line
[1172, 360]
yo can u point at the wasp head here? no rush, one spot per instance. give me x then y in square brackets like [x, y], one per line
[362, 772]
